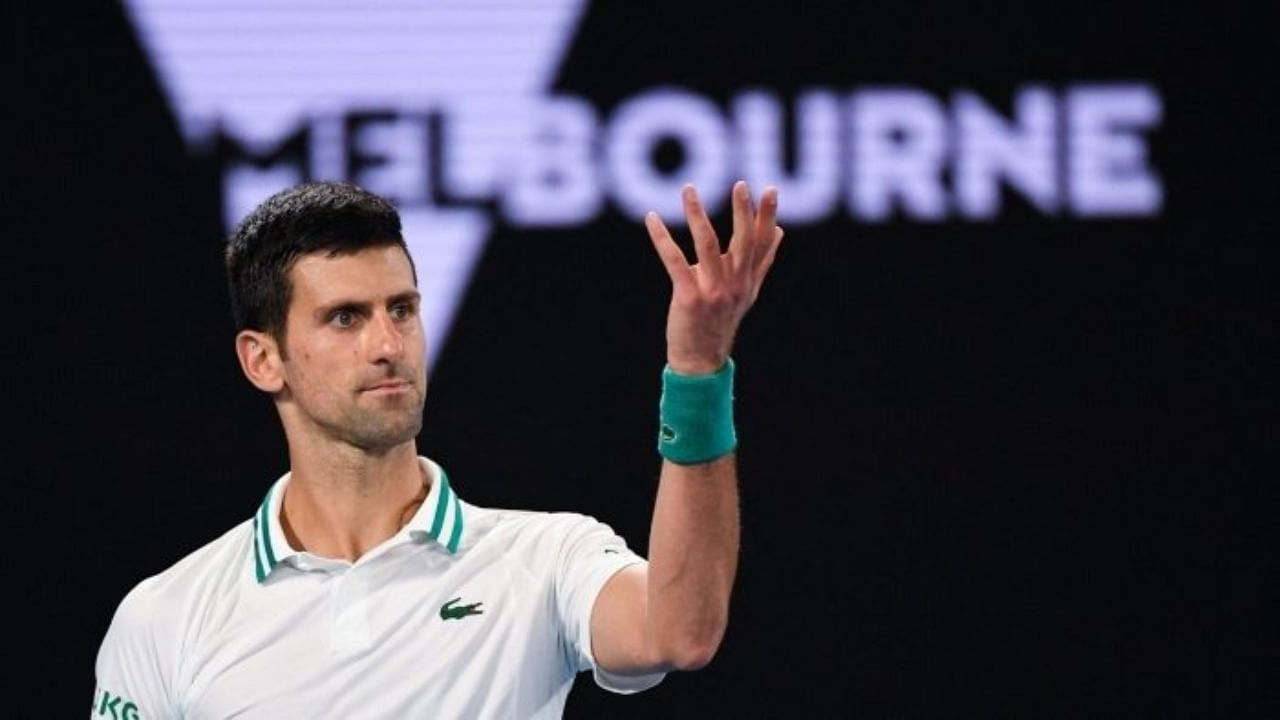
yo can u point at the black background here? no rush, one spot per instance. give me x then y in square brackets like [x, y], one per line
[1015, 469]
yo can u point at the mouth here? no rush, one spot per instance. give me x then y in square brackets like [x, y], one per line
[388, 387]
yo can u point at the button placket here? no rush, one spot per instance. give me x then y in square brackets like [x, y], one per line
[350, 616]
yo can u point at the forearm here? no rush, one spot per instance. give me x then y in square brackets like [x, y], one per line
[693, 556]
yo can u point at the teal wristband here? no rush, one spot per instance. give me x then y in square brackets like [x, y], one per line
[696, 415]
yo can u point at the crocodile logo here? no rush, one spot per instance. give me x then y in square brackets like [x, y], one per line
[452, 611]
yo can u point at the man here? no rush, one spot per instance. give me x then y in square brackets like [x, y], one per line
[363, 586]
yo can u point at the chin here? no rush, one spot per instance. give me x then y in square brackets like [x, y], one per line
[379, 432]
[389, 437]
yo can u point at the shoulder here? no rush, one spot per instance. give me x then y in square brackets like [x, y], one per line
[160, 604]
[533, 526]
[157, 622]
[553, 540]
[215, 563]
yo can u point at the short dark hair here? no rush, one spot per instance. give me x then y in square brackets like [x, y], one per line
[331, 217]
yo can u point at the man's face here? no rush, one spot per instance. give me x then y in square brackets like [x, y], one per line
[355, 369]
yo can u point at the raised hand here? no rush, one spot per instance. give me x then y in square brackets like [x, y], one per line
[710, 298]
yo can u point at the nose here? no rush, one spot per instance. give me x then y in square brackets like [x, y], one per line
[385, 341]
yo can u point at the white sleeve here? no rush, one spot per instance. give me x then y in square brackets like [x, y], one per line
[591, 554]
[134, 670]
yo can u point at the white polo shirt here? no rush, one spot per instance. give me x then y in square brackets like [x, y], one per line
[466, 612]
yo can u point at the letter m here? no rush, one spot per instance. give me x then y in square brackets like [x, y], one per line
[251, 170]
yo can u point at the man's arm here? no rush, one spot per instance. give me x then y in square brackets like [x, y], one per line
[672, 614]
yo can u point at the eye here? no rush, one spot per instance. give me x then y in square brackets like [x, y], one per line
[343, 318]
[402, 311]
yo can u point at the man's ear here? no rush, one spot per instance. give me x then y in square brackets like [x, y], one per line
[260, 360]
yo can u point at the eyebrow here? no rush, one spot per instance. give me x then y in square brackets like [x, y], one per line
[364, 308]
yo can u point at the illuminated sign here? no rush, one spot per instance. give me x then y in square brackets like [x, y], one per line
[446, 108]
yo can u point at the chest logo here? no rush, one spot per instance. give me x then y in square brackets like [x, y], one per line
[452, 611]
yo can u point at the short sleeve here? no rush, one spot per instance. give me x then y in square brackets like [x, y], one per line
[591, 554]
[133, 672]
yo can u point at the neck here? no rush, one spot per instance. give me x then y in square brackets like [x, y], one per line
[342, 501]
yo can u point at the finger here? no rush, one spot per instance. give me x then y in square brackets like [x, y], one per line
[742, 244]
[704, 236]
[766, 223]
[766, 261]
[668, 251]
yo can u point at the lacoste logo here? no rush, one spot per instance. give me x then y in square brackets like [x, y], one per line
[449, 611]
[668, 434]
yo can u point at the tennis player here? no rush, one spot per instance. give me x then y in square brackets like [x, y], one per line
[363, 585]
